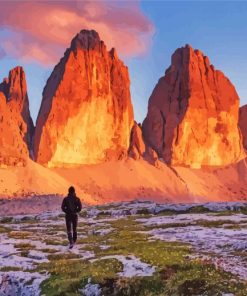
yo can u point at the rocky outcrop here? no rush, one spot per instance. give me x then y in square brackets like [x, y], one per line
[137, 146]
[86, 113]
[192, 117]
[16, 125]
[243, 124]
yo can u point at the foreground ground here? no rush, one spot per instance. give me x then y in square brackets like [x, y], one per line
[132, 248]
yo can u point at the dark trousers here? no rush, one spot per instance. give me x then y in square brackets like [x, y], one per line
[71, 224]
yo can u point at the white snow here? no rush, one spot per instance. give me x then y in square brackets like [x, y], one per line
[191, 218]
[19, 283]
[91, 290]
[220, 245]
[218, 242]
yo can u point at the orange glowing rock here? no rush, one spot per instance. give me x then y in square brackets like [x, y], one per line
[192, 117]
[16, 125]
[86, 113]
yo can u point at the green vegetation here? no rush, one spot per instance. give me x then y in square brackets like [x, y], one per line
[29, 220]
[195, 278]
[68, 276]
[103, 214]
[229, 224]
[48, 250]
[19, 234]
[193, 210]
[10, 268]
[65, 256]
[197, 210]
[24, 246]
[175, 274]
[56, 242]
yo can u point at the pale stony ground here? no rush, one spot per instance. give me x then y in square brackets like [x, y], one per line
[214, 233]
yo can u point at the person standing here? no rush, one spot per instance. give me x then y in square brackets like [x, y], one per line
[71, 205]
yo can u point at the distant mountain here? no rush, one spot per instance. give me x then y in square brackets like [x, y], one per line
[192, 117]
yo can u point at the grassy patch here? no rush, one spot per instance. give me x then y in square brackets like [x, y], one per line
[48, 250]
[29, 220]
[125, 240]
[193, 210]
[243, 210]
[24, 246]
[203, 223]
[143, 211]
[4, 229]
[197, 210]
[54, 242]
[103, 214]
[83, 214]
[19, 234]
[65, 256]
[229, 212]
[217, 223]
[10, 268]
[166, 213]
[195, 278]
[67, 277]
[139, 286]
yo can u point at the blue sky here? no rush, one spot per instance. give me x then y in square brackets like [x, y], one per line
[219, 29]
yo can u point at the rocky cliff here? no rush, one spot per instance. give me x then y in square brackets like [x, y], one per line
[16, 126]
[192, 117]
[86, 113]
[137, 145]
[243, 124]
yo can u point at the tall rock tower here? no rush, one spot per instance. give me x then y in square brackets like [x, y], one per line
[192, 117]
[16, 125]
[86, 113]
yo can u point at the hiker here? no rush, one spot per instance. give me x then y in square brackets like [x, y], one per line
[71, 206]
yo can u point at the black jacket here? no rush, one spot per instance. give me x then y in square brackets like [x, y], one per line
[71, 205]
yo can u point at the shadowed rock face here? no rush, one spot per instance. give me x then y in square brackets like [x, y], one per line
[243, 124]
[192, 117]
[86, 113]
[16, 125]
[137, 145]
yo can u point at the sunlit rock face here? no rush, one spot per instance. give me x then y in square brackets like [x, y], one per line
[192, 117]
[243, 124]
[16, 125]
[86, 113]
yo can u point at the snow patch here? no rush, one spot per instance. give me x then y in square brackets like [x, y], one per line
[19, 283]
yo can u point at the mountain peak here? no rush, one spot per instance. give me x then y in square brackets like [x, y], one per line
[86, 98]
[86, 39]
[16, 126]
[194, 113]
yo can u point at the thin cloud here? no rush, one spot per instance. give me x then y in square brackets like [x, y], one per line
[41, 30]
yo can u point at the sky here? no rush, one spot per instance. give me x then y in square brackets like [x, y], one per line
[35, 34]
